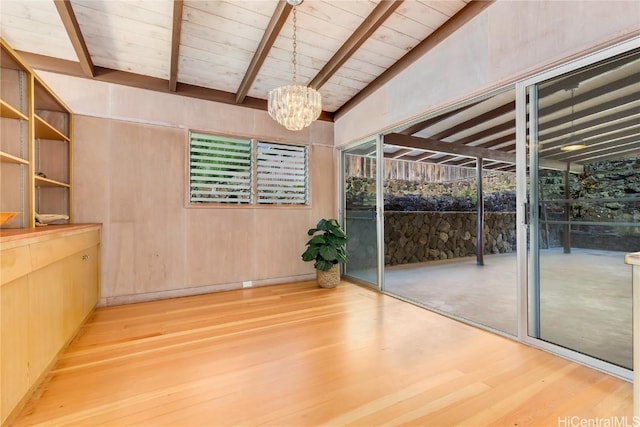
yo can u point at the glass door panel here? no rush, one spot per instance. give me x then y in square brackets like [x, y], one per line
[450, 216]
[585, 210]
[453, 249]
[360, 212]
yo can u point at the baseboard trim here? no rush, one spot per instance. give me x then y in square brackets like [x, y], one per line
[199, 290]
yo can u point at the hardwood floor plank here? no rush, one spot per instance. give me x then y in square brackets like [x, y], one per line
[298, 355]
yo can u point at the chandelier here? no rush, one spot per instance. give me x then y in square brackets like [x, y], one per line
[294, 106]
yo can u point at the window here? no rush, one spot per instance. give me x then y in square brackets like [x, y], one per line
[231, 170]
[282, 173]
[220, 169]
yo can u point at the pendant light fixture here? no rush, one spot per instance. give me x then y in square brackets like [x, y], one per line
[294, 106]
[573, 142]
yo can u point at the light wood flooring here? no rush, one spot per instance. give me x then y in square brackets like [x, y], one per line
[297, 355]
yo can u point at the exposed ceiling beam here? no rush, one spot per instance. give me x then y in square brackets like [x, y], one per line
[510, 125]
[448, 160]
[503, 167]
[178, 7]
[574, 79]
[599, 120]
[107, 75]
[593, 144]
[503, 139]
[626, 145]
[477, 120]
[65, 10]
[400, 153]
[412, 130]
[546, 164]
[441, 159]
[466, 162]
[631, 80]
[447, 147]
[466, 14]
[371, 23]
[596, 109]
[593, 132]
[615, 155]
[424, 158]
[276, 23]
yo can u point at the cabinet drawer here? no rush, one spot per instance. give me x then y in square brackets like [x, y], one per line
[45, 253]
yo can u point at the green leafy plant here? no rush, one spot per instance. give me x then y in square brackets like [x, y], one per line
[328, 247]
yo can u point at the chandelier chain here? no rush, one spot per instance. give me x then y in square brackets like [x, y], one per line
[295, 45]
[294, 106]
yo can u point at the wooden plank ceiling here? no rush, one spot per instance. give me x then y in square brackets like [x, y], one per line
[233, 51]
[237, 51]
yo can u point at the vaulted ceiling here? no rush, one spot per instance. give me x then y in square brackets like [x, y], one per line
[233, 51]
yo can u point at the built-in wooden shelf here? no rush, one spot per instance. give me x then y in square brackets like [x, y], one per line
[9, 112]
[45, 131]
[36, 136]
[8, 158]
[46, 182]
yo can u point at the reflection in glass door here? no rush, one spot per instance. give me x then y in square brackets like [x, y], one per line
[585, 212]
[359, 174]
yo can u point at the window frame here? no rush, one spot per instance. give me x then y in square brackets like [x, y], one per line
[299, 154]
[234, 153]
[253, 201]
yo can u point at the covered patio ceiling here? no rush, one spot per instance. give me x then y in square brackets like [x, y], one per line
[599, 104]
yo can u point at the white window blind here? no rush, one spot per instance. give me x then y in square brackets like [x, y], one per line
[220, 169]
[282, 173]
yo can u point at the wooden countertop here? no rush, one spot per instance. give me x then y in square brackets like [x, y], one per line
[632, 258]
[26, 250]
[14, 234]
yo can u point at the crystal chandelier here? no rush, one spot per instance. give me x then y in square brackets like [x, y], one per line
[294, 106]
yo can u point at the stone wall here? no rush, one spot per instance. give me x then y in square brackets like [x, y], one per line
[426, 221]
[606, 195]
[412, 237]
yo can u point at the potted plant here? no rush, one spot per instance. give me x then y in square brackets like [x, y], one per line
[327, 248]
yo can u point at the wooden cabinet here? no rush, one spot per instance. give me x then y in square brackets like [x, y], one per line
[48, 287]
[35, 149]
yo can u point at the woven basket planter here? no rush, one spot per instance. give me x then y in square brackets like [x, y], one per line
[328, 279]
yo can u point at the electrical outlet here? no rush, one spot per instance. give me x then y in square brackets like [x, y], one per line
[247, 284]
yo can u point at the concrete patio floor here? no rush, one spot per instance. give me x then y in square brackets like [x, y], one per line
[585, 297]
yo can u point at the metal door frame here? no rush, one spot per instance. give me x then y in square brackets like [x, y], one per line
[379, 205]
[528, 265]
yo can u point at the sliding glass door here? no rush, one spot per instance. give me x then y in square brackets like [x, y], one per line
[584, 208]
[359, 173]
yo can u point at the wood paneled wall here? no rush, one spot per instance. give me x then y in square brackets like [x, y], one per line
[130, 174]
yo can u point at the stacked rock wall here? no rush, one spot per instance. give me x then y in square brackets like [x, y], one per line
[426, 221]
[412, 237]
